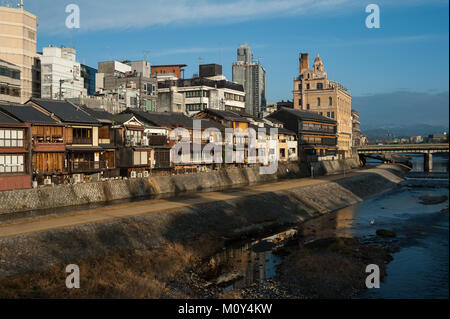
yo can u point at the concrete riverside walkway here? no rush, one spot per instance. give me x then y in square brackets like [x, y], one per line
[143, 207]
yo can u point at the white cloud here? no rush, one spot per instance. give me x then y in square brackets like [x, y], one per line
[117, 15]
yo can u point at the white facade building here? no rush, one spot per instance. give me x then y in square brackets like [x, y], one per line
[60, 74]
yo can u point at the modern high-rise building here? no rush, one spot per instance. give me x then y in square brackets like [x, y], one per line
[253, 77]
[61, 74]
[315, 93]
[18, 46]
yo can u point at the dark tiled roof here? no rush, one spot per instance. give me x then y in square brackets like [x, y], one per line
[227, 115]
[100, 114]
[166, 119]
[27, 113]
[66, 111]
[122, 118]
[304, 115]
[212, 124]
[6, 119]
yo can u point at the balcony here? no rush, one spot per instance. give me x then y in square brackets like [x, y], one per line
[87, 166]
[81, 140]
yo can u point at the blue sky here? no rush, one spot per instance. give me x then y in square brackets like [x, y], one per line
[409, 53]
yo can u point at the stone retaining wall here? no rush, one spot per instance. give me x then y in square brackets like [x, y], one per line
[230, 219]
[86, 193]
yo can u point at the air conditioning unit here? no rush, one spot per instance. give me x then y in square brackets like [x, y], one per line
[145, 174]
[48, 181]
[139, 175]
[76, 178]
[133, 174]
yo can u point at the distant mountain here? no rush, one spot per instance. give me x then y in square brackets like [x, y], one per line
[399, 131]
[403, 113]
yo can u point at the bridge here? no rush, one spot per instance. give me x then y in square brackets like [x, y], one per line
[387, 150]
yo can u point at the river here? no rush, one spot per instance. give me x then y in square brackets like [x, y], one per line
[420, 266]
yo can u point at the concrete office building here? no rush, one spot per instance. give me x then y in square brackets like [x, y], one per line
[253, 77]
[18, 46]
[210, 90]
[129, 80]
[61, 74]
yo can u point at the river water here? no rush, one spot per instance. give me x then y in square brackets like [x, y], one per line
[421, 265]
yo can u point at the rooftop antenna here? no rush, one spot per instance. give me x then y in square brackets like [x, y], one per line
[146, 54]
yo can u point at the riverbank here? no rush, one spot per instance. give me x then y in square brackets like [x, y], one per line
[113, 190]
[255, 212]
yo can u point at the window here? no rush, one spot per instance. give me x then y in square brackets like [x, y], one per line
[332, 115]
[140, 158]
[300, 87]
[319, 86]
[330, 101]
[307, 86]
[318, 101]
[307, 106]
[195, 107]
[12, 164]
[328, 114]
[82, 135]
[197, 94]
[11, 138]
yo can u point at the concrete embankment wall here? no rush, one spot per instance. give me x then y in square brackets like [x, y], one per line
[86, 193]
[229, 219]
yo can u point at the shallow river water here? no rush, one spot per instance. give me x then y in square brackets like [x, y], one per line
[419, 268]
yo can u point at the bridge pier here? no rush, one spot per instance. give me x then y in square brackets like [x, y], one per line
[428, 162]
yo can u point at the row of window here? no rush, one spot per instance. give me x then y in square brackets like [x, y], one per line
[319, 102]
[8, 90]
[234, 97]
[14, 74]
[317, 127]
[11, 138]
[195, 107]
[12, 164]
[319, 86]
[197, 93]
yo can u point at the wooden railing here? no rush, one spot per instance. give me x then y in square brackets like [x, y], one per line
[87, 166]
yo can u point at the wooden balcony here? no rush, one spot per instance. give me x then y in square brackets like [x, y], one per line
[87, 166]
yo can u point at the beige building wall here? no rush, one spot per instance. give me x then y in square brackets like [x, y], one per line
[18, 46]
[314, 92]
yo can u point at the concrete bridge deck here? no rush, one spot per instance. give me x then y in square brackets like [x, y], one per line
[387, 150]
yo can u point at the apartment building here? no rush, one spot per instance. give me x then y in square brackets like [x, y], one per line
[61, 74]
[211, 90]
[252, 76]
[9, 82]
[129, 82]
[18, 46]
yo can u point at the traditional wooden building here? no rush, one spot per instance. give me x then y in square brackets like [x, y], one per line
[47, 143]
[15, 163]
[106, 140]
[316, 134]
[135, 157]
[81, 137]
